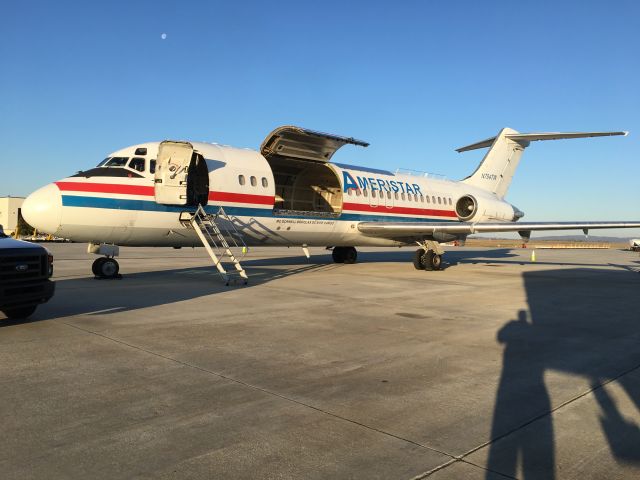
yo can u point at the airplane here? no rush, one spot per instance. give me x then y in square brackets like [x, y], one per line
[289, 193]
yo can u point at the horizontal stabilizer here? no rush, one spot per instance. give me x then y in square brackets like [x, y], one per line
[532, 137]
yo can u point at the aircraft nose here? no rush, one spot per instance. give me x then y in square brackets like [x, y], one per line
[43, 209]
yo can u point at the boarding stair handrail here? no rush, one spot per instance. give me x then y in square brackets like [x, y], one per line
[216, 241]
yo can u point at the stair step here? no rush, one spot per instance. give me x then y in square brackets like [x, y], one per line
[217, 245]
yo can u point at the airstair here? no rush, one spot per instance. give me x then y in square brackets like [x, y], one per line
[219, 235]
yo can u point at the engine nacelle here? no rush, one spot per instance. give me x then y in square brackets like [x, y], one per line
[466, 207]
[470, 208]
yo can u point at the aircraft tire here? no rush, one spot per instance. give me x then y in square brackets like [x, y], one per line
[350, 255]
[109, 268]
[95, 267]
[433, 261]
[418, 262]
[338, 254]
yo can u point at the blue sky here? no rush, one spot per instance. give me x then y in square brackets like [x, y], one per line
[416, 79]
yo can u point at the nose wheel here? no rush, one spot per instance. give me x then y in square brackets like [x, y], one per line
[106, 268]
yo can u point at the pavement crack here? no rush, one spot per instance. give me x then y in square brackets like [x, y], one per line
[428, 473]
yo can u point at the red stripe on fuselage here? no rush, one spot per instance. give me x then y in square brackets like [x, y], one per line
[360, 207]
[149, 192]
[105, 188]
[241, 198]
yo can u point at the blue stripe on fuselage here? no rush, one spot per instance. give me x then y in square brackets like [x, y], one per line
[152, 206]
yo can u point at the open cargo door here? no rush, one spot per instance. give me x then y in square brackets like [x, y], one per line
[172, 168]
[305, 182]
[302, 144]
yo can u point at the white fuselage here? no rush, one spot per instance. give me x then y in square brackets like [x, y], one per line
[117, 205]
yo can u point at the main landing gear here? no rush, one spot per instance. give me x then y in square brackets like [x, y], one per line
[428, 256]
[344, 254]
[105, 267]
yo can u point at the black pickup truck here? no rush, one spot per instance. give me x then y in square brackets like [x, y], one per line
[25, 272]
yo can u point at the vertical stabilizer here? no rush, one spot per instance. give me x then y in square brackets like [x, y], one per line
[498, 166]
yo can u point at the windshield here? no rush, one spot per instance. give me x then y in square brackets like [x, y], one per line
[115, 162]
[137, 163]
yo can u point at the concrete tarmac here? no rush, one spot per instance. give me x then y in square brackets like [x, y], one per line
[494, 368]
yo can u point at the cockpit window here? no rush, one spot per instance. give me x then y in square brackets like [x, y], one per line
[137, 163]
[115, 162]
[152, 166]
[103, 162]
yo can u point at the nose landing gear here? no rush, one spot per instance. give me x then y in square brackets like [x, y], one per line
[428, 256]
[105, 267]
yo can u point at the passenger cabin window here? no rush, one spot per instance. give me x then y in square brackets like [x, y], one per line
[365, 193]
[152, 166]
[389, 195]
[241, 180]
[373, 194]
[422, 198]
[439, 200]
[402, 196]
[433, 198]
[397, 195]
[137, 163]
[265, 182]
[449, 201]
[253, 180]
[428, 201]
[358, 193]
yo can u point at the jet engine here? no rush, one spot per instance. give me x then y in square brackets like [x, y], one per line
[466, 207]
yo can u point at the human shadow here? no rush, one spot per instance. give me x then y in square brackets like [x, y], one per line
[582, 322]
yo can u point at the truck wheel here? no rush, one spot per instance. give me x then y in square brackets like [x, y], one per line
[20, 313]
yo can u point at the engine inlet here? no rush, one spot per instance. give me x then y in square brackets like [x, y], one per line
[466, 207]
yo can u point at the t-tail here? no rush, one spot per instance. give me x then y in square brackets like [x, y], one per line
[499, 164]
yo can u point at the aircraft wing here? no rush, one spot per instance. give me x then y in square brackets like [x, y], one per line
[421, 229]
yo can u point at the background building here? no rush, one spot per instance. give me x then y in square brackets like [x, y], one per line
[10, 216]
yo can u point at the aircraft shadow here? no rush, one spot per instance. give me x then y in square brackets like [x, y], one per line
[572, 326]
[88, 295]
[155, 287]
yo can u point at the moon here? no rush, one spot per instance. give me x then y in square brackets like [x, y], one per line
[163, 36]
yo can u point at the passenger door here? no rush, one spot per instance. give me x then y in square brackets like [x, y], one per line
[172, 166]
